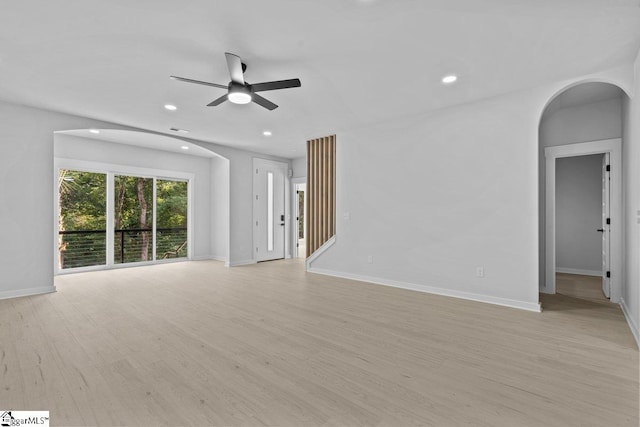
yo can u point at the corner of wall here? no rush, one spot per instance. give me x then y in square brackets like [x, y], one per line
[633, 325]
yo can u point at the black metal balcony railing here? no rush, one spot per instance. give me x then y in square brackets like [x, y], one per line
[83, 248]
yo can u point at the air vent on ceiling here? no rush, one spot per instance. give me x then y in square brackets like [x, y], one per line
[179, 130]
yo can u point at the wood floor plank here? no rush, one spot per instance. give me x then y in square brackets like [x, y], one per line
[196, 343]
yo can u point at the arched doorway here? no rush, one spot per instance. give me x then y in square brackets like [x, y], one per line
[580, 128]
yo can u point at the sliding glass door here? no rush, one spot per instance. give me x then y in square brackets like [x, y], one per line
[132, 219]
[82, 222]
[149, 218]
[171, 219]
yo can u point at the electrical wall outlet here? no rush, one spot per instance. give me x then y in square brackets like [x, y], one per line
[370, 259]
[479, 271]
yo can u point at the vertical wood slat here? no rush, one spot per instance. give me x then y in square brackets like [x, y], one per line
[316, 196]
[332, 187]
[332, 198]
[321, 192]
[323, 199]
[309, 201]
[319, 209]
[325, 190]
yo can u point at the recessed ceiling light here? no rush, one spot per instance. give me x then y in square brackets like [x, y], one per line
[184, 147]
[267, 133]
[179, 130]
[170, 107]
[94, 131]
[449, 79]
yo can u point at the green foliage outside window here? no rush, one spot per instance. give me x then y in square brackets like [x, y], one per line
[82, 219]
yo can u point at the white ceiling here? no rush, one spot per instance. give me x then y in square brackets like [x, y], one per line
[360, 61]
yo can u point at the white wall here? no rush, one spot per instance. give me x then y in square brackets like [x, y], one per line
[631, 204]
[582, 123]
[432, 198]
[220, 209]
[77, 148]
[26, 211]
[579, 214]
[299, 167]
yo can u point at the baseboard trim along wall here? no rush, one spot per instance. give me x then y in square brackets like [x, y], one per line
[239, 263]
[632, 324]
[209, 258]
[596, 273]
[535, 307]
[27, 292]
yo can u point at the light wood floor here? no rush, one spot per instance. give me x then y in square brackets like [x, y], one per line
[199, 344]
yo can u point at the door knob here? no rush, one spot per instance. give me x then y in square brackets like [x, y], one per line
[601, 230]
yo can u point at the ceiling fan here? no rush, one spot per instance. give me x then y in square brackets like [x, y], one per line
[240, 91]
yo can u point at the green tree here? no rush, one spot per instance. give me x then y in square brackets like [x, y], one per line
[133, 198]
[82, 207]
[82, 218]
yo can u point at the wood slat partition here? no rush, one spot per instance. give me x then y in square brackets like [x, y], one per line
[321, 191]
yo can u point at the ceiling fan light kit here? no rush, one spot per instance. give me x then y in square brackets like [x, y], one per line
[239, 94]
[238, 90]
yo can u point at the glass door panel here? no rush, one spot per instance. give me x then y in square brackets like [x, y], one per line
[171, 219]
[133, 219]
[82, 223]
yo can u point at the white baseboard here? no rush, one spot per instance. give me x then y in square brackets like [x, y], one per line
[630, 321]
[522, 305]
[209, 257]
[238, 263]
[596, 273]
[27, 292]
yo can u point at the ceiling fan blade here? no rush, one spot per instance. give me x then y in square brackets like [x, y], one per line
[235, 68]
[263, 102]
[218, 101]
[182, 79]
[280, 84]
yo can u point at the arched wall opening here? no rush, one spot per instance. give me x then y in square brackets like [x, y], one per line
[575, 117]
[165, 158]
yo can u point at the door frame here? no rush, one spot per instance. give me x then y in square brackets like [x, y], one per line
[614, 148]
[294, 213]
[257, 161]
[605, 196]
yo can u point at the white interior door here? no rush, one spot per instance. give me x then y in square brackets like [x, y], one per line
[606, 226]
[269, 209]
